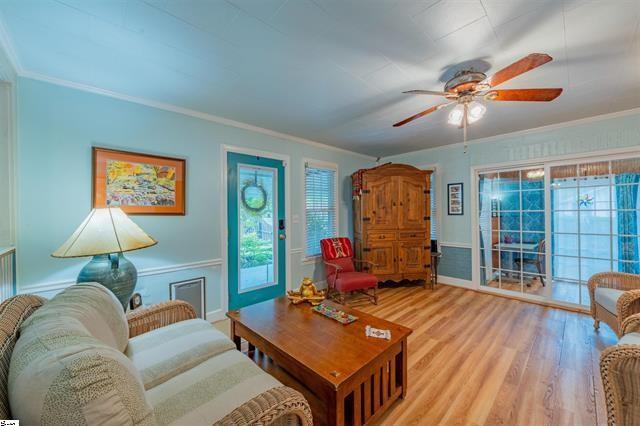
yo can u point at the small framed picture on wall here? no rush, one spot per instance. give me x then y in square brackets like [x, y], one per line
[455, 199]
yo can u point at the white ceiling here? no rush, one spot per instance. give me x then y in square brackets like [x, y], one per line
[332, 70]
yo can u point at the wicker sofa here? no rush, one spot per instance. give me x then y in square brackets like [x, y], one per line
[614, 297]
[620, 371]
[77, 359]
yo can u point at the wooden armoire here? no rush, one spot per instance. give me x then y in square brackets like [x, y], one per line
[391, 221]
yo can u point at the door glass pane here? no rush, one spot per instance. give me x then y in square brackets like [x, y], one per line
[257, 226]
[533, 179]
[512, 224]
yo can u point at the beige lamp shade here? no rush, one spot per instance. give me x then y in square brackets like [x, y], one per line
[104, 231]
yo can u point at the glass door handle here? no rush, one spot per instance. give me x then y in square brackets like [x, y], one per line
[282, 236]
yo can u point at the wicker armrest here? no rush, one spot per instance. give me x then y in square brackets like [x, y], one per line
[628, 304]
[278, 406]
[631, 324]
[618, 280]
[160, 315]
[620, 371]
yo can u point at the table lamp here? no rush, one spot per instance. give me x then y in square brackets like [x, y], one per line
[106, 234]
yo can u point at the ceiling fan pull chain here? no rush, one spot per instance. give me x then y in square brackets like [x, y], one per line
[464, 128]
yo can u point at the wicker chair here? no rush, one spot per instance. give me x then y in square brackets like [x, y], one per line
[614, 297]
[620, 371]
[278, 406]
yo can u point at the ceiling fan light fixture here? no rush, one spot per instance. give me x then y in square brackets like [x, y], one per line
[456, 114]
[475, 111]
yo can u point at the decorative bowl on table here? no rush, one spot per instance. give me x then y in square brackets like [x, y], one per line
[334, 313]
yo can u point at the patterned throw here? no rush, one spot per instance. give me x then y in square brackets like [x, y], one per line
[336, 248]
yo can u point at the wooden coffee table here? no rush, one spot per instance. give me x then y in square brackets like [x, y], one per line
[347, 378]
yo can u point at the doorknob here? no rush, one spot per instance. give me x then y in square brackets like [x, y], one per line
[282, 236]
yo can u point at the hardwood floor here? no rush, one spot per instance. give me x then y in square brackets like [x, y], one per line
[481, 359]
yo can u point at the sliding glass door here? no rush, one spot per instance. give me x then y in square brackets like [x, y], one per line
[594, 223]
[545, 229]
[512, 230]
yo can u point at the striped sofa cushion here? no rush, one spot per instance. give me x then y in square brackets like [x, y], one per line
[168, 351]
[90, 306]
[209, 391]
[67, 376]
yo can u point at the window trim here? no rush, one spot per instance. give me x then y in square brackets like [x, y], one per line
[434, 167]
[306, 258]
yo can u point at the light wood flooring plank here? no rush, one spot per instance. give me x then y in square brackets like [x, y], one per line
[479, 359]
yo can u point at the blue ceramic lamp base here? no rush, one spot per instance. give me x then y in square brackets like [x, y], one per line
[115, 272]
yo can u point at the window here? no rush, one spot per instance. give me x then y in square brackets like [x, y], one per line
[321, 207]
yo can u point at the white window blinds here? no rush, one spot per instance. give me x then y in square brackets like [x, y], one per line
[321, 207]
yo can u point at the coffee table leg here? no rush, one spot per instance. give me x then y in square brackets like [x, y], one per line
[336, 409]
[236, 339]
[404, 368]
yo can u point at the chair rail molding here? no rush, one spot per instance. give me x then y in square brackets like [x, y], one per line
[146, 272]
[454, 244]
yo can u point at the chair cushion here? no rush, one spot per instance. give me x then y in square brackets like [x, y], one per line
[67, 376]
[607, 298]
[13, 312]
[209, 391]
[88, 306]
[168, 351]
[336, 248]
[630, 339]
[345, 264]
[348, 281]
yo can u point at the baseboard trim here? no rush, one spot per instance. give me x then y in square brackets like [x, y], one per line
[456, 282]
[216, 315]
[147, 272]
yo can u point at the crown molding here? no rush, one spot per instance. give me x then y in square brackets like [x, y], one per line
[8, 47]
[533, 130]
[186, 111]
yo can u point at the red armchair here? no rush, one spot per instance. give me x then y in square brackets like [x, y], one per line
[342, 276]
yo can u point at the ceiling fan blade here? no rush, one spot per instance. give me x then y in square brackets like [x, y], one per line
[523, 95]
[426, 92]
[421, 114]
[525, 64]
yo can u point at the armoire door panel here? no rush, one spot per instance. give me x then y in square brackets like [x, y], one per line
[383, 255]
[412, 257]
[379, 203]
[413, 202]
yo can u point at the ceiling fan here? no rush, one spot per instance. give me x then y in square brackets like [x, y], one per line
[467, 85]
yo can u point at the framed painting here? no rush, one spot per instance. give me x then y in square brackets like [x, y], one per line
[455, 199]
[138, 183]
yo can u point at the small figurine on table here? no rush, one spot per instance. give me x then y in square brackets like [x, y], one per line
[307, 293]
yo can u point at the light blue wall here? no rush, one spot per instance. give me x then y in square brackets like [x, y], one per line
[57, 128]
[454, 166]
[7, 151]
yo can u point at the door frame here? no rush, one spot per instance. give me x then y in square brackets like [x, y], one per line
[224, 230]
[546, 163]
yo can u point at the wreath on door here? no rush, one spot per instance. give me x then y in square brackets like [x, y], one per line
[253, 195]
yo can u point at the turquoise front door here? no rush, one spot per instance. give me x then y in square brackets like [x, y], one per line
[255, 217]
